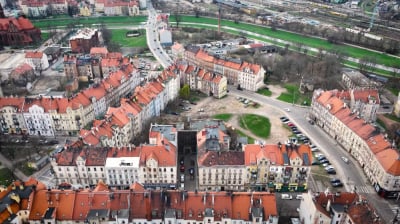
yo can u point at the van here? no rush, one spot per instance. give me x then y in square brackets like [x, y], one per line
[182, 177]
[286, 197]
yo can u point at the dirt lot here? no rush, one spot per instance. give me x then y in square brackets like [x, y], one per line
[231, 105]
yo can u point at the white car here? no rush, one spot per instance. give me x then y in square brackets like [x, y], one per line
[287, 109]
[286, 197]
[346, 160]
[299, 197]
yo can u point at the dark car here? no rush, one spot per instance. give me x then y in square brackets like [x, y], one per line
[175, 113]
[283, 118]
[331, 171]
[337, 184]
[324, 161]
[193, 103]
[315, 162]
[335, 180]
[182, 168]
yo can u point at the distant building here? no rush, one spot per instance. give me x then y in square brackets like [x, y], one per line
[84, 40]
[22, 75]
[17, 31]
[165, 37]
[37, 60]
[353, 79]
[397, 106]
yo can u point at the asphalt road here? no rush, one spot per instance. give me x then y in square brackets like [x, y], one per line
[350, 173]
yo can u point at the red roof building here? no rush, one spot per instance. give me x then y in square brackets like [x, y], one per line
[17, 31]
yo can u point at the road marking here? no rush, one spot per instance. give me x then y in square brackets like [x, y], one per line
[364, 189]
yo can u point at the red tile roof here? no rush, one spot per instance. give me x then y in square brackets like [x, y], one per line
[212, 158]
[34, 54]
[164, 155]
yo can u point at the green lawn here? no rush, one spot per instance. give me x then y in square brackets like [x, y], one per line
[119, 36]
[392, 117]
[108, 20]
[293, 95]
[6, 177]
[296, 38]
[250, 140]
[224, 117]
[258, 125]
[265, 92]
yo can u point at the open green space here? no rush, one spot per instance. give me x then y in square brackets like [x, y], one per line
[224, 117]
[119, 36]
[107, 20]
[250, 140]
[297, 38]
[293, 95]
[265, 92]
[258, 125]
[6, 177]
[392, 117]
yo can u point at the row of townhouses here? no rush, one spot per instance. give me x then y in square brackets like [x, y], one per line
[36, 8]
[47, 115]
[372, 150]
[31, 202]
[279, 167]
[122, 123]
[237, 72]
[65, 115]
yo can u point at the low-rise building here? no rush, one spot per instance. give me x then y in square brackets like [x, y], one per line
[23, 75]
[37, 60]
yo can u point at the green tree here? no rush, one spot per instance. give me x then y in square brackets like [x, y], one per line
[184, 92]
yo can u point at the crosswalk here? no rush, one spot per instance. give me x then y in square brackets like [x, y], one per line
[364, 189]
[396, 211]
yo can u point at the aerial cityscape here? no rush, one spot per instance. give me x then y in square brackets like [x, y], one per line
[199, 111]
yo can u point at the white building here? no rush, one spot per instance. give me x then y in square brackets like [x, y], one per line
[37, 60]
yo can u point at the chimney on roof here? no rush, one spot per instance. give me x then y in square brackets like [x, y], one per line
[328, 205]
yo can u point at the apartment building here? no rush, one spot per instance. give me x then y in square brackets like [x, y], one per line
[353, 79]
[11, 119]
[137, 205]
[372, 150]
[341, 207]
[119, 8]
[212, 84]
[277, 167]
[237, 72]
[363, 102]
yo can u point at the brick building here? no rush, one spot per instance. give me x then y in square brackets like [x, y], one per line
[17, 31]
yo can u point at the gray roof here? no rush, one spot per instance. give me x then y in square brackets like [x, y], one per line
[257, 212]
[170, 213]
[166, 130]
[98, 214]
[49, 213]
[122, 214]
[200, 124]
[209, 212]
[306, 160]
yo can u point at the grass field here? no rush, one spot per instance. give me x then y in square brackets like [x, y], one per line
[293, 95]
[224, 117]
[296, 38]
[6, 177]
[107, 20]
[258, 125]
[265, 92]
[119, 36]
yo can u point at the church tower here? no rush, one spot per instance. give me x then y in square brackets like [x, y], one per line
[2, 12]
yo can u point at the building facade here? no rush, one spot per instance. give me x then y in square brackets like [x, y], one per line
[373, 151]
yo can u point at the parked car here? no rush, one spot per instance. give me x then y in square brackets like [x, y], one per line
[331, 171]
[346, 160]
[283, 118]
[286, 197]
[299, 197]
[329, 168]
[315, 162]
[182, 178]
[323, 161]
[334, 180]
[337, 184]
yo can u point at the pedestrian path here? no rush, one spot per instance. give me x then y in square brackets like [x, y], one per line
[366, 189]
